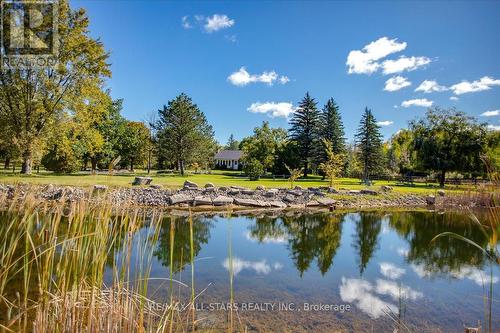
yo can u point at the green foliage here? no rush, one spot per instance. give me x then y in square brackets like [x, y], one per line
[330, 129]
[369, 142]
[304, 130]
[263, 145]
[232, 143]
[294, 174]
[253, 169]
[334, 163]
[82, 66]
[61, 155]
[400, 154]
[135, 143]
[448, 140]
[183, 134]
[287, 155]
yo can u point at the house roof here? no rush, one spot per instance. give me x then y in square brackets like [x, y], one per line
[229, 155]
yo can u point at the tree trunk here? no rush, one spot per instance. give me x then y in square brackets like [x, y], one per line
[27, 160]
[149, 161]
[132, 165]
[181, 167]
[94, 165]
[7, 163]
[305, 169]
[442, 178]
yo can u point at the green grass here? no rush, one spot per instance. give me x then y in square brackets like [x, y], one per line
[219, 178]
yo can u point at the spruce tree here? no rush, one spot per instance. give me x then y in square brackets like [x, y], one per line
[369, 141]
[330, 129]
[304, 130]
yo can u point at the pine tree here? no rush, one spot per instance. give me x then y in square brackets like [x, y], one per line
[232, 143]
[330, 129]
[304, 130]
[369, 141]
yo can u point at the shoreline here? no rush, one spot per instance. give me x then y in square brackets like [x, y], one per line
[211, 198]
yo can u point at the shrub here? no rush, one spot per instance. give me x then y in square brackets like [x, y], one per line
[253, 169]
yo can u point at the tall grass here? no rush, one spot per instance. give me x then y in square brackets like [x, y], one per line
[53, 259]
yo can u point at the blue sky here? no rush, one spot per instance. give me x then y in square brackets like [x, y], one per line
[288, 48]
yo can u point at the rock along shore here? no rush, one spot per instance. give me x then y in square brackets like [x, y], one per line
[210, 196]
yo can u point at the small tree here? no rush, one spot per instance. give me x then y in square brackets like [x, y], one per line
[334, 163]
[253, 169]
[294, 174]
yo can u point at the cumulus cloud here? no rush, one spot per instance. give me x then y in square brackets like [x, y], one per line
[242, 78]
[404, 63]
[365, 61]
[454, 98]
[402, 251]
[429, 86]
[396, 83]
[385, 123]
[259, 267]
[185, 22]
[391, 271]
[217, 22]
[491, 113]
[417, 102]
[484, 83]
[395, 290]
[273, 109]
[361, 293]
[281, 239]
[493, 127]
[474, 274]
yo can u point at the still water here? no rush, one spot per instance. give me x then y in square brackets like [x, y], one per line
[326, 272]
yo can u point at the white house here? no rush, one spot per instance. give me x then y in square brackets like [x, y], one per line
[229, 159]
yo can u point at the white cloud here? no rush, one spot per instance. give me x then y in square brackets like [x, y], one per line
[402, 251]
[491, 113]
[217, 22]
[454, 98]
[395, 290]
[396, 83]
[494, 127]
[231, 38]
[385, 123]
[242, 78]
[417, 102]
[274, 109]
[185, 22]
[364, 61]
[404, 63]
[259, 267]
[267, 239]
[360, 292]
[484, 83]
[429, 86]
[391, 271]
[474, 274]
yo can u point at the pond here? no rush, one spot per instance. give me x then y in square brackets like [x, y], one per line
[324, 272]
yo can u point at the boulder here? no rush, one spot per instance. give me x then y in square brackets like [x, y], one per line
[332, 190]
[386, 188]
[441, 193]
[248, 192]
[222, 200]
[312, 203]
[298, 188]
[251, 203]
[142, 181]
[190, 184]
[430, 200]
[180, 198]
[354, 192]
[99, 188]
[223, 188]
[277, 204]
[209, 189]
[208, 185]
[202, 201]
[260, 188]
[238, 187]
[271, 192]
[155, 186]
[289, 198]
[233, 191]
[296, 193]
[325, 201]
[370, 192]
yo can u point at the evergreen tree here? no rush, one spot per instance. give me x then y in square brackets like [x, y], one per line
[184, 134]
[304, 130]
[331, 127]
[232, 143]
[369, 141]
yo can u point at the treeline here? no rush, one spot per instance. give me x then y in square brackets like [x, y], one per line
[442, 142]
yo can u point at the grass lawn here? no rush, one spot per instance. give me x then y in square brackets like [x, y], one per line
[219, 178]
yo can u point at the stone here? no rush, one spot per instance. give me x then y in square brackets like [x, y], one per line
[155, 186]
[208, 185]
[100, 188]
[233, 191]
[386, 188]
[260, 188]
[370, 192]
[298, 188]
[312, 203]
[180, 198]
[202, 200]
[294, 192]
[430, 200]
[289, 198]
[441, 193]
[189, 184]
[277, 204]
[354, 192]
[223, 188]
[248, 192]
[222, 200]
[325, 201]
[209, 190]
[238, 187]
[271, 192]
[251, 202]
[142, 181]
[332, 190]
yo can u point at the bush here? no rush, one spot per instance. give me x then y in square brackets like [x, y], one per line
[253, 169]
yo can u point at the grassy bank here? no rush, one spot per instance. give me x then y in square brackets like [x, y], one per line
[219, 178]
